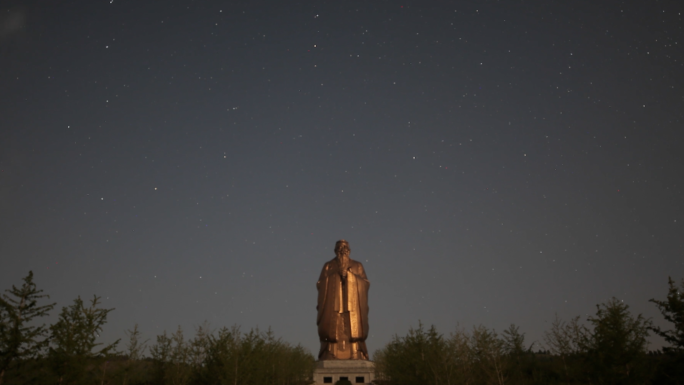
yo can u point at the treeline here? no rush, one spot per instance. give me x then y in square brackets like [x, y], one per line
[609, 348]
[67, 352]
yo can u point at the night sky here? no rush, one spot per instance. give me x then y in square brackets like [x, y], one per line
[488, 162]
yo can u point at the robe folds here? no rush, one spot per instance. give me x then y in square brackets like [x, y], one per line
[338, 296]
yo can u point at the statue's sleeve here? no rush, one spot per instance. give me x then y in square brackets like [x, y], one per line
[322, 287]
[327, 319]
[362, 285]
[361, 273]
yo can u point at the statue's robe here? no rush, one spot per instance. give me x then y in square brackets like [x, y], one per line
[342, 309]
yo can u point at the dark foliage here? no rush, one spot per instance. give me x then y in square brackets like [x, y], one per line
[73, 346]
[19, 339]
[608, 348]
[672, 308]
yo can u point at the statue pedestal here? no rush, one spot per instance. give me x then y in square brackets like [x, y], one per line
[355, 371]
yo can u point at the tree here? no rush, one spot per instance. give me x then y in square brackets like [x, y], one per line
[136, 349]
[519, 357]
[566, 338]
[568, 341]
[161, 354]
[199, 345]
[514, 341]
[73, 340]
[616, 348]
[428, 357]
[222, 361]
[177, 360]
[488, 352]
[406, 360]
[179, 371]
[233, 357]
[673, 311]
[18, 339]
[461, 357]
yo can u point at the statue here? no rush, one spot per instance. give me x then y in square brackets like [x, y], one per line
[342, 307]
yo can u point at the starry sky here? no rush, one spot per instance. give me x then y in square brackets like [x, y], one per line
[489, 162]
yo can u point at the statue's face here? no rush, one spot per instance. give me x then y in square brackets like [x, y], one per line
[342, 248]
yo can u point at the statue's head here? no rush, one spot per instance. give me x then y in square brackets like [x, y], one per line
[342, 247]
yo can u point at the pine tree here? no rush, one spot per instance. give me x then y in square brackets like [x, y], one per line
[131, 371]
[18, 339]
[617, 346]
[136, 348]
[73, 339]
[518, 354]
[672, 367]
[489, 355]
[673, 311]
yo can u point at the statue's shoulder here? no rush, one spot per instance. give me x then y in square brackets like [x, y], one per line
[355, 264]
[329, 265]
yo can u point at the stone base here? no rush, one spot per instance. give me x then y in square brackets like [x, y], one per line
[356, 371]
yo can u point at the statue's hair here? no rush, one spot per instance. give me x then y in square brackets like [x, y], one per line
[342, 247]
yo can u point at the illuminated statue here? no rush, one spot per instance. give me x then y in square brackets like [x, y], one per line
[343, 307]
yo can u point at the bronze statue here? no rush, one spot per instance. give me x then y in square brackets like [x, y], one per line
[343, 307]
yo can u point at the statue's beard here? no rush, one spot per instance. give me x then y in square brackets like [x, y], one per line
[344, 262]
